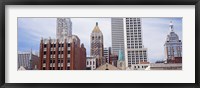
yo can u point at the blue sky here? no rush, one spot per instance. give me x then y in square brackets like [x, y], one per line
[155, 30]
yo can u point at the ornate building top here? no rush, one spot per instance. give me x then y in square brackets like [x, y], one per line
[172, 36]
[96, 29]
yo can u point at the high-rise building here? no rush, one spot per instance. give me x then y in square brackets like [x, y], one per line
[173, 46]
[135, 53]
[96, 40]
[64, 28]
[62, 54]
[28, 60]
[117, 32]
[107, 53]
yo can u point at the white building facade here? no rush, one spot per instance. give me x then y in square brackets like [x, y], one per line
[135, 53]
[91, 63]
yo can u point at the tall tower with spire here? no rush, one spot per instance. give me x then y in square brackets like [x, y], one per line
[64, 28]
[173, 46]
[96, 40]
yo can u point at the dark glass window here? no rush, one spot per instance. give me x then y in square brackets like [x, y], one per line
[44, 61]
[68, 68]
[45, 45]
[68, 45]
[45, 52]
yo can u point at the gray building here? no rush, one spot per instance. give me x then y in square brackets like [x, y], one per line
[107, 53]
[28, 60]
[117, 30]
[64, 28]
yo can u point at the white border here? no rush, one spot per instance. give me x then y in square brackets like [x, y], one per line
[187, 75]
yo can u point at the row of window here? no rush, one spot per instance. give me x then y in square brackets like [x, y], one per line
[54, 45]
[90, 62]
[137, 59]
[130, 27]
[53, 68]
[133, 22]
[131, 30]
[59, 61]
[54, 52]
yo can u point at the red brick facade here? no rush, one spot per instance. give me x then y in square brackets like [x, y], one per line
[62, 55]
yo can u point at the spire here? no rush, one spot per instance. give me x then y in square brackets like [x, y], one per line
[171, 26]
[96, 23]
[96, 29]
[120, 54]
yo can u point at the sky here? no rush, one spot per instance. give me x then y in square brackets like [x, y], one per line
[154, 31]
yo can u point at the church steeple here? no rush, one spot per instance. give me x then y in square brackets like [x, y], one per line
[120, 54]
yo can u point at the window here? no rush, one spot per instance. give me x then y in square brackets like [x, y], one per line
[45, 45]
[45, 52]
[44, 61]
[68, 44]
[68, 60]
[68, 68]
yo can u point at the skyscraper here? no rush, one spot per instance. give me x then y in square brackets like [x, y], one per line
[173, 46]
[64, 53]
[96, 40]
[117, 32]
[135, 53]
[64, 28]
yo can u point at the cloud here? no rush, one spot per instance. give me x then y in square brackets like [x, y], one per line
[155, 30]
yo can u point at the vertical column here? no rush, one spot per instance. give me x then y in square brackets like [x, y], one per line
[48, 55]
[72, 55]
[65, 56]
[56, 57]
[41, 55]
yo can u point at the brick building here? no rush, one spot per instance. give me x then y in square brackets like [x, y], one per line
[62, 54]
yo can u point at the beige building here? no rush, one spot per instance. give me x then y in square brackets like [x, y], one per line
[107, 67]
[96, 40]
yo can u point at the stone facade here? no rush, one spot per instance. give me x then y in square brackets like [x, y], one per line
[97, 48]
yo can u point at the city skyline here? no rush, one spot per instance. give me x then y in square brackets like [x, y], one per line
[33, 29]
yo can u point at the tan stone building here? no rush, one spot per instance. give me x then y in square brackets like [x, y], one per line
[96, 40]
[107, 67]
